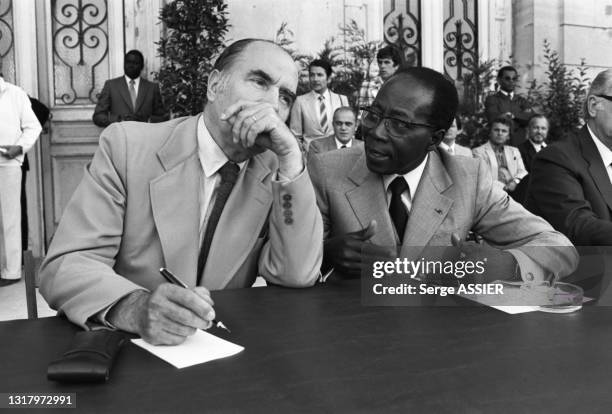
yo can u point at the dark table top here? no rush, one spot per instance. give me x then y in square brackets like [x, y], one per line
[320, 350]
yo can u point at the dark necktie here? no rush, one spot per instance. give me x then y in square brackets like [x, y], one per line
[229, 175]
[344, 146]
[397, 209]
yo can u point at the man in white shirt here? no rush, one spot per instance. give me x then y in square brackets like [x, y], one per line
[130, 97]
[344, 123]
[402, 192]
[217, 198]
[571, 180]
[19, 130]
[312, 113]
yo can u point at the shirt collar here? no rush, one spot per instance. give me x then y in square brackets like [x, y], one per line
[211, 155]
[340, 144]
[2, 84]
[446, 147]
[508, 94]
[412, 177]
[537, 146]
[136, 81]
[604, 152]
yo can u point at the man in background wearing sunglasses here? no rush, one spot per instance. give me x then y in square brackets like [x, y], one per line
[401, 191]
[571, 181]
[508, 104]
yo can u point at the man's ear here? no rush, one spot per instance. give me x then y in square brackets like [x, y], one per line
[591, 106]
[214, 86]
[436, 138]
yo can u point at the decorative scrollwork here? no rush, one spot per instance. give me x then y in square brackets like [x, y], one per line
[80, 46]
[7, 51]
[460, 37]
[402, 28]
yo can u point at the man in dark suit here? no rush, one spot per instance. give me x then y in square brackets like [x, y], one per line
[571, 180]
[130, 97]
[537, 131]
[344, 124]
[402, 191]
[506, 103]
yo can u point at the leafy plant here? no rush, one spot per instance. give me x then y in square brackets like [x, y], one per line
[561, 94]
[195, 32]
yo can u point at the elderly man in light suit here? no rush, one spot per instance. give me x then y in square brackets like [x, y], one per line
[155, 195]
[404, 192]
[504, 161]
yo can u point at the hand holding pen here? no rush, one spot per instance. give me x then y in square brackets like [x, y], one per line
[171, 278]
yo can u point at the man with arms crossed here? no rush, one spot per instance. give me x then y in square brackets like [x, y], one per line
[404, 191]
[151, 195]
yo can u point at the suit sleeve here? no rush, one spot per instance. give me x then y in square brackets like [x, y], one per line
[557, 193]
[505, 224]
[317, 176]
[159, 113]
[296, 122]
[30, 127]
[77, 276]
[521, 171]
[101, 116]
[492, 109]
[293, 253]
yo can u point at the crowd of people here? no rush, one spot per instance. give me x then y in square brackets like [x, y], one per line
[292, 188]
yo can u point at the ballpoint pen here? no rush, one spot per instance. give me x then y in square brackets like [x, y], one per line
[178, 282]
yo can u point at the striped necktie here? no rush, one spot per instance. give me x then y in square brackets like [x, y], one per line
[323, 113]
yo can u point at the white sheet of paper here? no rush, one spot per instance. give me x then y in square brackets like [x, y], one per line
[199, 348]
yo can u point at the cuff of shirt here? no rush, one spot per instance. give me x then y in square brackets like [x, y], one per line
[530, 271]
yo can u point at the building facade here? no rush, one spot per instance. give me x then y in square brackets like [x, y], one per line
[62, 51]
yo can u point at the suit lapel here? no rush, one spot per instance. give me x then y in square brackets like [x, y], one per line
[369, 202]
[238, 227]
[596, 168]
[430, 206]
[492, 160]
[313, 108]
[125, 92]
[175, 201]
[143, 89]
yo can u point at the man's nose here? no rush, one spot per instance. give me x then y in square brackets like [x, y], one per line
[272, 96]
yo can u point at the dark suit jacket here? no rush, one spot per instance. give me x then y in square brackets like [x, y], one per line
[114, 103]
[498, 104]
[571, 189]
[528, 153]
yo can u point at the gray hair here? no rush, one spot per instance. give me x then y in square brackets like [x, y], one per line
[600, 84]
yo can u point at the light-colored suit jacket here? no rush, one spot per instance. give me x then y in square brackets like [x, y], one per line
[459, 150]
[114, 103]
[455, 195]
[305, 117]
[137, 209]
[513, 159]
[328, 144]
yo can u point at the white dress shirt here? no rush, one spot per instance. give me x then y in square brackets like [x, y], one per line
[136, 83]
[339, 144]
[212, 158]
[18, 124]
[412, 179]
[604, 152]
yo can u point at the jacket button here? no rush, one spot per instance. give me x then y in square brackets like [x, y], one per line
[287, 197]
[288, 220]
[286, 204]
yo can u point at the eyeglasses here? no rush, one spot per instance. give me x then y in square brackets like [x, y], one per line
[395, 127]
[606, 97]
[510, 78]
